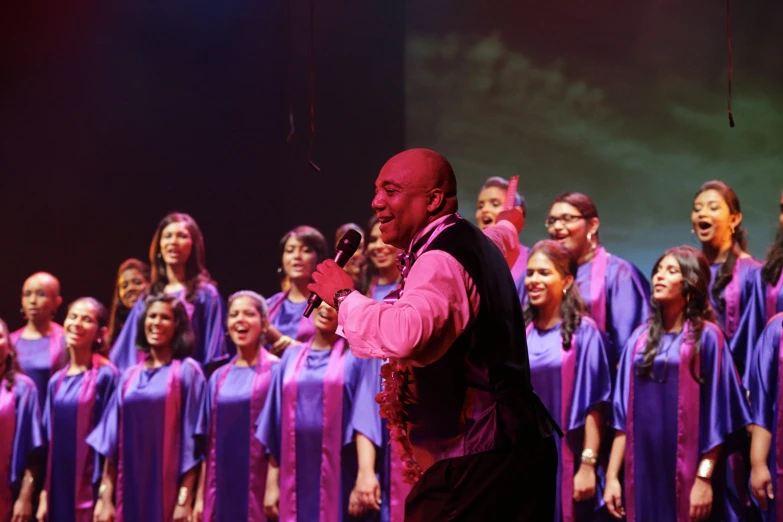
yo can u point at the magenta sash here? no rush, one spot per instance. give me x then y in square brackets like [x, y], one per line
[732, 296]
[567, 379]
[779, 424]
[688, 400]
[56, 347]
[598, 288]
[7, 433]
[306, 329]
[772, 298]
[331, 441]
[171, 440]
[520, 266]
[258, 464]
[85, 422]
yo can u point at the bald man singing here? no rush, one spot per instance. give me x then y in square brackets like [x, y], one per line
[481, 442]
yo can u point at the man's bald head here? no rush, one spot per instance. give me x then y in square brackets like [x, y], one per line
[425, 169]
[413, 189]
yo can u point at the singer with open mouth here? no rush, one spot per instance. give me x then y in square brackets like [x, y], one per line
[475, 438]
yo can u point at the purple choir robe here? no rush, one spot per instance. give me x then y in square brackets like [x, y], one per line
[360, 414]
[135, 421]
[288, 319]
[723, 413]
[626, 298]
[765, 393]
[519, 272]
[67, 446]
[20, 436]
[764, 302]
[236, 471]
[394, 490]
[40, 358]
[207, 318]
[592, 389]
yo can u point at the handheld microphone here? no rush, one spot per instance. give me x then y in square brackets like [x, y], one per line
[345, 250]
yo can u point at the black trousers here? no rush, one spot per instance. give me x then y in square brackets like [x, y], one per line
[515, 485]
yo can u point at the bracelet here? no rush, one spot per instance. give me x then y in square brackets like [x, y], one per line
[705, 469]
[589, 457]
[182, 497]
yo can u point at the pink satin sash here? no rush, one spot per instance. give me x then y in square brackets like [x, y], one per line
[7, 433]
[258, 464]
[732, 296]
[520, 266]
[56, 347]
[567, 379]
[306, 329]
[85, 422]
[688, 400]
[779, 423]
[598, 288]
[772, 298]
[331, 441]
[171, 440]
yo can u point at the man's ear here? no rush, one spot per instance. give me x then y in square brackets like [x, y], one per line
[435, 200]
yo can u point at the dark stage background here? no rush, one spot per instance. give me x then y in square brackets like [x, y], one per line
[114, 113]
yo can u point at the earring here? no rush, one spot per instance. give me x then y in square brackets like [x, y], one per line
[21, 311]
[565, 291]
[159, 255]
[693, 232]
[732, 231]
[589, 236]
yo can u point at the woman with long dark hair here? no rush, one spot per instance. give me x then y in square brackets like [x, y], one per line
[149, 432]
[766, 453]
[570, 372]
[177, 257]
[716, 218]
[614, 290]
[321, 427]
[489, 204]
[133, 282]
[301, 249]
[677, 404]
[233, 477]
[20, 434]
[75, 401]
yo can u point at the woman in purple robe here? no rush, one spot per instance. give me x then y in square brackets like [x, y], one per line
[76, 398]
[766, 447]
[20, 435]
[321, 426]
[178, 268]
[40, 349]
[716, 218]
[356, 266]
[767, 294]
[570, 374]
[678, 405]
[149, 430]
[490, 203]
[302, 249]
[615, 291]
[383, 274]
[384, 277]
[232, 482]
[133, 282]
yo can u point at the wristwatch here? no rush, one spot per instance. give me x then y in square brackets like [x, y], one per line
[340, 295]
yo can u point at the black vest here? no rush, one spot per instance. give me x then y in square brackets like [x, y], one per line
[478, 396]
